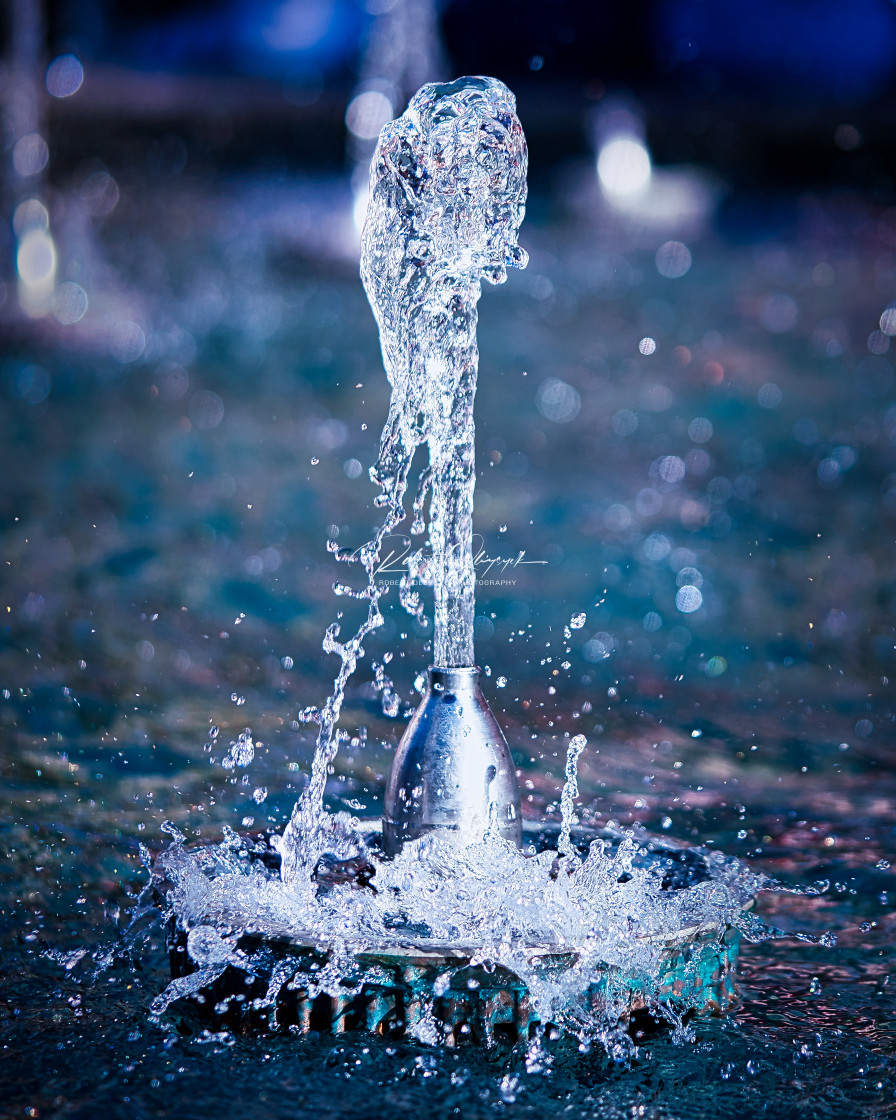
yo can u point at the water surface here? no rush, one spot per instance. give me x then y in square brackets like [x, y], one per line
[164, 519]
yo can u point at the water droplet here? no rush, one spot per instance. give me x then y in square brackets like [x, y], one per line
[242, 750]
[507, 1088]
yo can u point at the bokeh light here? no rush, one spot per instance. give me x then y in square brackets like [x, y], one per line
[30, 155]
[673, 260]
[624, 168]
[367, 112]
[36, 266]
[557, 400]
[65, 75]
[70, 303]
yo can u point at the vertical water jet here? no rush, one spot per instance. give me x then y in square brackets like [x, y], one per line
[447, 196]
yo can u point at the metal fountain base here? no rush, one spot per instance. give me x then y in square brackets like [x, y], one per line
[477, 1006]
[400, 990]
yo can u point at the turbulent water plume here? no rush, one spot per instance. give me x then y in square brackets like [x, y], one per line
[447, 196]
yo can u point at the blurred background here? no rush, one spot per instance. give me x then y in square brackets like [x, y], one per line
[686, 413]
[686, 448]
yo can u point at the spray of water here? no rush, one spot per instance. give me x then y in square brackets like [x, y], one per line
[570, 792]
[581, 932]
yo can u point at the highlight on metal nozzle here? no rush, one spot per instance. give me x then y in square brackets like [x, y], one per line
[453, 772]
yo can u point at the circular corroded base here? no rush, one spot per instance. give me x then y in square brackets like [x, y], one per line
[466, 1001]
[426, 988]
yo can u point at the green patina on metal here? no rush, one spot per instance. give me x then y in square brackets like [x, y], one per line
[391, 992]
[425, 988]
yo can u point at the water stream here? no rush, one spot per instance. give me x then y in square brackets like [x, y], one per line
[447, 196]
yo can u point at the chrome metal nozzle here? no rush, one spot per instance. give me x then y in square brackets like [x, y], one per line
[453, 772]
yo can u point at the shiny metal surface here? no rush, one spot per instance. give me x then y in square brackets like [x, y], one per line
[452, 768]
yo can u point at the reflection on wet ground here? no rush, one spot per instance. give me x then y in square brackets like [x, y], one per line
[700, 464]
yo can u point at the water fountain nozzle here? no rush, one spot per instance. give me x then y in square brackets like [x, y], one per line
[447, 196]
[453, 773]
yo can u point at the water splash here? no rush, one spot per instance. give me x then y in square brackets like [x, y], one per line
[447, 196]
[570, 792]
[601, 920]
